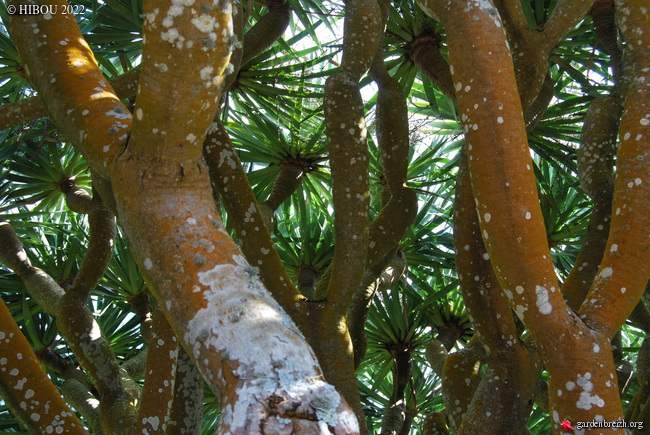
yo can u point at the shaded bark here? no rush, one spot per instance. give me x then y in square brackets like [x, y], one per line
[595, 169]
[266, 31]
[504, 397]
[187, 408]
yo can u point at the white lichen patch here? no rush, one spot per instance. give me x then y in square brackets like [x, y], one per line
[205, 23]
[225, 156]
[543, 303]
[606, 272]
[148, 264]
[587, 400]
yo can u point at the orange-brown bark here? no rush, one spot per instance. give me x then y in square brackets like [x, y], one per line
[26, 388]
[211, 295]
[460, 378]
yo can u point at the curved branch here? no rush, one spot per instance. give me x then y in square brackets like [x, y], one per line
[507, 388]
[507, 203]
[595, 169]
[565, 16]
[45, 291]
[100, 250]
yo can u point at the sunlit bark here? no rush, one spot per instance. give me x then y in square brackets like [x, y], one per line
[25, 387]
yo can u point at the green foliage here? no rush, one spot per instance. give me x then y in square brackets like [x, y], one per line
[274, 113]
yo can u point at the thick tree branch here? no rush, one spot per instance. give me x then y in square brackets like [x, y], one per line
[212, 296]
[460, 379]
[78, 98]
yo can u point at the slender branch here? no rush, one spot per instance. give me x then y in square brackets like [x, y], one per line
[595, 169]
[513, 17]
[266, 31]
[100, 250]
[346, 135]
[77, 199]
[45, 291]
[565, 16]
[625, 267]
[158, 389]
[78, 326]
[187, 407]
